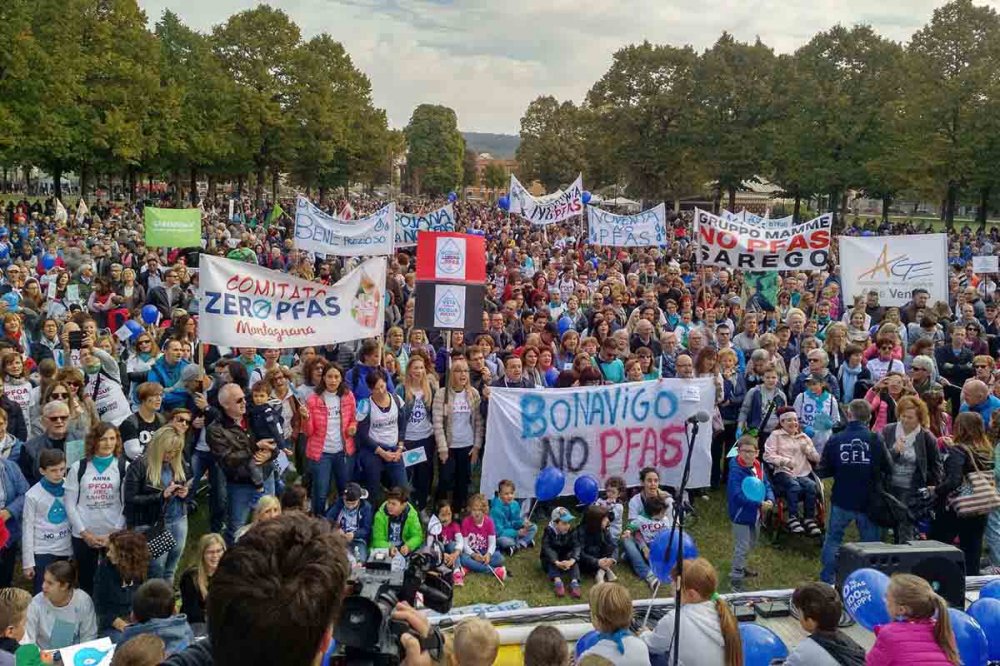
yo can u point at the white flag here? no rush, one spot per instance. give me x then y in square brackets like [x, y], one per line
[61, 214]
[82, 210]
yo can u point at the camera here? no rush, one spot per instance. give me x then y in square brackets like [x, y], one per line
[366, 634]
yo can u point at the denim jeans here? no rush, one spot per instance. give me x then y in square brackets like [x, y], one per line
[520, 542]
[633, 555]
[202, 461]
[331, 467]
[421, 474]
[165, 566]
[795, 488]
[496, 560]
[372, 467]
[836, 526]
[242, 498]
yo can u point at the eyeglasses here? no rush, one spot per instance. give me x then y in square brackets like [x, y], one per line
[815, 360]
[75, 384]
[63, 396]
[980, 366]
[57, 419]
[185, 422]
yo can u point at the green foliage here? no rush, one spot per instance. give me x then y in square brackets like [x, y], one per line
[436, 149]
[551, 148]
[495, 177]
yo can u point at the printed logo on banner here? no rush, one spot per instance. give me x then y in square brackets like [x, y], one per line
[449, 306]
[365, 307]
[900, 267]
[449, 260]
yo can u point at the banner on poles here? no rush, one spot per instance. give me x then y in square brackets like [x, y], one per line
[172, 227]
[322, 233]
[766, 222]
[242, 303]
[408, 224]
[645, 229]
[447, 306]
[743, 246]
[894, 266]
[608, 430]
[549, 209]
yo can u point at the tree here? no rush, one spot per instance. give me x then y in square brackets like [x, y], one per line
[436, 147]
[469, 167]
[551, 147]
[495, 177]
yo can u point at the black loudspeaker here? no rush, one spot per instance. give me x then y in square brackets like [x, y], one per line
[940, 565]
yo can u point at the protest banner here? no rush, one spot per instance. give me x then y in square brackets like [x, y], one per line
[549, 209]
[984, 264]
[745, 246]
[172, 227]
[766, 222]
[408, 224]
[451, 257]
[322, 233]
[645, 229]
[760, 291]
[608, 430]
[242, 303]
[444, 306]
[894, 266]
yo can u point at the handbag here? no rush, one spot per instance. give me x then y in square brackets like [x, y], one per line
[977, 496]
[159, 539]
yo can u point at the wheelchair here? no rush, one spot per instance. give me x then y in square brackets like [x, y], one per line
[775, 522]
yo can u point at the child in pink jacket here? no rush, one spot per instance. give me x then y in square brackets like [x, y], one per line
[922, 636]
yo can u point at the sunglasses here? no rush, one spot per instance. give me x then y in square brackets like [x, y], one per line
[240, 401]
[980, 366]
[186, 422]
[57, 419]
[59, 396]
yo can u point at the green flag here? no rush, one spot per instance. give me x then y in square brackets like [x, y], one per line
[172, 227]
[275, 213]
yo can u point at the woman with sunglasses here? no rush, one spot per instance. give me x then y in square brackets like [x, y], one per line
[83, 411]
[140, 362]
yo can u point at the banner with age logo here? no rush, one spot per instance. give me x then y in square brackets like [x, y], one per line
[549, 209]
[322, 233]
[894, 266]
[409, 224]
[645, 229]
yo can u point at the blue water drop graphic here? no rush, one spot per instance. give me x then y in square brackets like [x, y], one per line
[57, 512]
[89, 657]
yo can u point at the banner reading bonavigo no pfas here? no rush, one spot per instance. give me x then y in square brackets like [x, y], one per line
[172, 227]
[409, 224]
[745, 246]
[894, 266]
[611, 430]
[549, 209]
[245, 304]
[322, 233]
[645, 229]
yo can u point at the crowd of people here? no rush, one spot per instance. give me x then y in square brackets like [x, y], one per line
[107, 434]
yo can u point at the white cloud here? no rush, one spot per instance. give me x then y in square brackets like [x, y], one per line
[488, 59]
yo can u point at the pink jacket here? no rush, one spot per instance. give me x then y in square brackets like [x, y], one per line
[315, 426]
[794, 451]
[909, 643]
[879, 408]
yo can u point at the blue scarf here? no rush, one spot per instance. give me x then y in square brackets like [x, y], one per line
[618, 638]
[850, 376]
[54, 489]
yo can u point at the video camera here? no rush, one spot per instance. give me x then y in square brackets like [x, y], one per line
[366, 634]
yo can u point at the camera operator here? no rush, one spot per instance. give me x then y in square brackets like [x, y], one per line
[276, 595]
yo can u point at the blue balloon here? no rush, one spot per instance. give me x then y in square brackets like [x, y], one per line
[991, 590]
[452, 197]
[663, 553]
[549, 484]
[760, 645]
[48, 261]
[586, 197]
[150, 314]
[586, 489]
[970, 639]
[564, 324]
[864, 597]
[504, 203]
[987, 613]
[753, 489]
[809, 431]
[587, 641]
[134, 327]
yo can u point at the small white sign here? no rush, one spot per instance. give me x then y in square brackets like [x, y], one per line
[414, 456]
[989, 263]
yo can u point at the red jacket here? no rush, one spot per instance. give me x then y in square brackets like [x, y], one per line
[315, 426]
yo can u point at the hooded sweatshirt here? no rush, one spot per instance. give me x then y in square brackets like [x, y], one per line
[827, 649]
[703, 644]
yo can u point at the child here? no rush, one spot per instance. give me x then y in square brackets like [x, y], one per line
[819, 615]
[711, 635]
[513, 532]
[47, 536]
[476, 642]
[61, 615]
[351, 515]
[153, 613]
[561, 552]
[265, 423]
[762, 401]
[817, 410]
[143, 650]
[614, 493]
[744, 513]
[13, 618]
[479, 553]
[792, 454]
[546, 646]
[922, 630]
[396, 525]
[597, 554]
[640, 534]
[450, 540]
[611, 615]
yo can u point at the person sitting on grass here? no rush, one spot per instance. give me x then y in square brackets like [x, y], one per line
[514, 533]
[819, 615]
[451, 541]
[351, 516]
[641, 531]
[13, 618]
[745, 513]
[709, 628]
[61, 614]
[613, 501]
[479, 553]
[561, 552]
[792, 454]
[396, 526]
[650, 480]
[597, 554]
[611, 615]
[153, 613]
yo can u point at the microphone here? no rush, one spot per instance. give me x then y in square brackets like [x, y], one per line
[698, 417]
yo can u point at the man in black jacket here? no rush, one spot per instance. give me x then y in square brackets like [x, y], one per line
[55, 419]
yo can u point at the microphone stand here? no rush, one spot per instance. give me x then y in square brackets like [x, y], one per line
[678, 528]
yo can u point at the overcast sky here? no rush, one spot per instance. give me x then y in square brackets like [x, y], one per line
[488, 59]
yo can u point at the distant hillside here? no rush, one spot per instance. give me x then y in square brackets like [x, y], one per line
[501, 146]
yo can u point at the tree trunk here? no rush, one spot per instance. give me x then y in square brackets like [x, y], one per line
[274, 185]
[950, 203]
[886, 202]
[843, 206]
[210, 193]
[194, 186]
[984, 205]
[239, 185]
[717, 201]
[322, 194]
[832, 206]
[57, 182]
[84, 180]
[732, 198]
[798, 207]
[259, 187]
